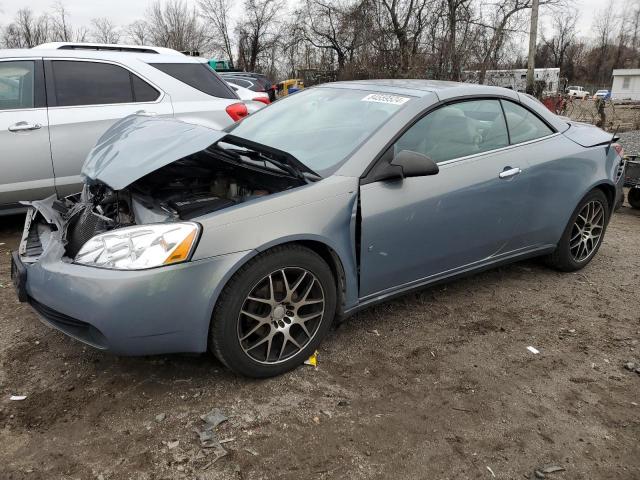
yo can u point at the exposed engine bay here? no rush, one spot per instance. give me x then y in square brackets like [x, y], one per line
[201, 183]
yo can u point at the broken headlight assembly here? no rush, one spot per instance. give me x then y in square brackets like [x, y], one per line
[140, 247]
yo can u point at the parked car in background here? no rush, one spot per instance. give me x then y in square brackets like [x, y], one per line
[253, 81]
[251, 240]
[578, 92]
[603, 94]
[248, 95]
[56, 102]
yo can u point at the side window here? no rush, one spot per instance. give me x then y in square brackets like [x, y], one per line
[17, 80]
[92, 83]
[457, 130]
[523, 124]
[142, 91]
[199, 76]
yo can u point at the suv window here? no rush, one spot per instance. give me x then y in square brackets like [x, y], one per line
[92, 83]
[239, 81]
[198, 76]
[17, 85]
[523, 124]
[457, 130]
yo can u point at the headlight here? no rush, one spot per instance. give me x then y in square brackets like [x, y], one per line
[137, 248]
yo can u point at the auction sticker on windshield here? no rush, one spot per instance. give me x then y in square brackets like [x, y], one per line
[381, 98]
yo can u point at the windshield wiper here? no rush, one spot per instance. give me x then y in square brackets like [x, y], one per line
[279, 158]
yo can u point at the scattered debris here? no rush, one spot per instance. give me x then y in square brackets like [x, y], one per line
[160, 417]
[251, 451]
[172, 445]
[316, 420]
[343, 403]
[312, 360]
[491, 472]
[17, 397]
[214, 418]
[327, 413]
[228, 440]
[533, 350]
[208, 437]
[630, 366]
[539, 474]
[459, 409]
[552, 469]
[374, 332]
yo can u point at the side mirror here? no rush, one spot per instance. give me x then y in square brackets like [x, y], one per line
[414, 164]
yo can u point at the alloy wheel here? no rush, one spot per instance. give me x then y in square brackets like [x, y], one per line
[281, 315]
[587, 231]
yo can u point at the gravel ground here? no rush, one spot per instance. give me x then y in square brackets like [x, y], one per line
[438, 384]
[630, 142]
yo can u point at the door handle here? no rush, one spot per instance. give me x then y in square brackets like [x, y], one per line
[24, 126]
[509, 172]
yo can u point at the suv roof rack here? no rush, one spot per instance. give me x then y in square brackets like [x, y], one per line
[108, 47]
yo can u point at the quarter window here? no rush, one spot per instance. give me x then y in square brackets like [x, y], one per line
[457, 130]
[17, 81]
[92, 83]
[523, 125]
[199, 76]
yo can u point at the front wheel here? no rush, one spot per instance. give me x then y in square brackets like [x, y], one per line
[274, 312]
[583, 235]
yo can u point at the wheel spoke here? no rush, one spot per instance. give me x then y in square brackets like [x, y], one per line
[280, 314]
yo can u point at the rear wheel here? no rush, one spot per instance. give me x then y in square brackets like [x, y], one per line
[274, 312]
[633, 197]
[583, 235]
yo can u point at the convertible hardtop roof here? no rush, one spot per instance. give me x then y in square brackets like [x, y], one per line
[445, 91]
[421, 87]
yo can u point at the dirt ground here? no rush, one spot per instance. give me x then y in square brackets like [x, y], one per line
[435, 385]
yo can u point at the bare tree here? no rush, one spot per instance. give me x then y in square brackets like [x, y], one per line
[175, 25]
[27, 30]
[257, 31]
[218, 14]
[104, 31]
[137, 32]
[336, 27]
[564, 33]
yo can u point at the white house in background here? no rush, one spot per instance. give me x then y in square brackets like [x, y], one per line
[626, 84]
[516, 79]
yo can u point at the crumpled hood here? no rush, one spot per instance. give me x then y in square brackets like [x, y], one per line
[137, 145]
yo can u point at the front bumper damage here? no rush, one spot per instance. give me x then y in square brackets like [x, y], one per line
[159, 310]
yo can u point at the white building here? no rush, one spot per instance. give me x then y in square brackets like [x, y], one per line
[516, 79]
[626, 84]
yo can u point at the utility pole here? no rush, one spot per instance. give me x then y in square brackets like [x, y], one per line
[533, 38]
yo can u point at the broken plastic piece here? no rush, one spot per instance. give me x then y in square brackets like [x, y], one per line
[312, 360]
[533, 350]
[17, 397]
[214, 418]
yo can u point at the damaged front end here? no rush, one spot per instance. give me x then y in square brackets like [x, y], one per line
[186, 172]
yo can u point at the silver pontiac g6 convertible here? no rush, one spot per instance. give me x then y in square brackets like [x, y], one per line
[250, 241]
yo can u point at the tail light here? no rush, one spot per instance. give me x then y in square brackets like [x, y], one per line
[237, 111]
[264, 100]
[619, 150]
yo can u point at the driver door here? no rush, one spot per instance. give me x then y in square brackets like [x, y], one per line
[419, 229]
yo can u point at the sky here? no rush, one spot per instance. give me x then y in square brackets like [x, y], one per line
[123, 12]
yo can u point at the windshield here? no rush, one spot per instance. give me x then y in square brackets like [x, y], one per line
[320, 126]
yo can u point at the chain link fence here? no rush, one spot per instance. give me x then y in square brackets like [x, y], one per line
[611, 115]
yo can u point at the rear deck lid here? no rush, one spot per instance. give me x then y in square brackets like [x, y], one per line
[138, 145]
[586, 134]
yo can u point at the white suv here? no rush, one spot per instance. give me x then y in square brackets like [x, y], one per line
[58, 99]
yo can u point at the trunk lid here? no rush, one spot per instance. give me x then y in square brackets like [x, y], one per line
[586, 135]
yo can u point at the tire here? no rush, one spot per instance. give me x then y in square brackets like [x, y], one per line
[271, 296]
[633, 197]
[567, 259]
